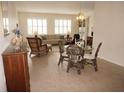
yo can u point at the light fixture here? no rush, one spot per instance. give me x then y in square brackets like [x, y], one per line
[80, 18]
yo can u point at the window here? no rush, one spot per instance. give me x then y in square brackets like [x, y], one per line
[6, 24]
[62, 26]
[37, 25]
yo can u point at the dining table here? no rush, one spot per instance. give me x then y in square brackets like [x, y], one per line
[87, 49]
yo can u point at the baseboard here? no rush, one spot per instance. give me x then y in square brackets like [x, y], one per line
[110, 61]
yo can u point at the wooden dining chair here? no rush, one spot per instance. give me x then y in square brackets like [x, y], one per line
[76, 56]
[63, 55]
[84, 45]
[92, 59]
[36, 46]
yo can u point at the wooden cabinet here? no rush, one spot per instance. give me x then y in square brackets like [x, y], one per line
[16, 70]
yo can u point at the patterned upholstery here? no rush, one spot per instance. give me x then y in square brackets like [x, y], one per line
[36, 46]
[52, 39]
[63, 55]
[92, 59]
[76, 58]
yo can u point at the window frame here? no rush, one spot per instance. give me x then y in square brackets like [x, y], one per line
[61, 28]
[35, 27]
[6, 23]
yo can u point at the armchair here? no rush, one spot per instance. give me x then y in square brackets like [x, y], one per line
[36, 46]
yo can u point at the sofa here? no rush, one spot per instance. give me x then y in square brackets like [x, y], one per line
[52, 39]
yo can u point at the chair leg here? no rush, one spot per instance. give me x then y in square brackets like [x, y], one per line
[79, 64]
[30, 54]
[68, 66]
[62, 60]
[59, 61]
[95, 65]
[96, 69]
[79, 72]
[45, 52]
[83, 63]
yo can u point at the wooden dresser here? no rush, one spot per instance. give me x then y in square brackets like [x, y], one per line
[16, 70]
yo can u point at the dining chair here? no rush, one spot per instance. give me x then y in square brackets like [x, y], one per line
[63, 55]
[90, 41]
[84, 45]
[92, 59]
[81, 43]
[76, 56]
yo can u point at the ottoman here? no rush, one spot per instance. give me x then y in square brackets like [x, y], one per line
[49, 46]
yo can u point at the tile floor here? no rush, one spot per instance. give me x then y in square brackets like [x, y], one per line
[46, 76]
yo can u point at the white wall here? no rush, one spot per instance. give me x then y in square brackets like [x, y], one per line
[47, 9]
[23, 16]
[4, 42]
[60, 7]
[91, 22]
[109, 28]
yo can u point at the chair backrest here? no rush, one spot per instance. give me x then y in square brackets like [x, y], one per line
[61, 47]
[34, 43]
[81, 43]
[76, 38]
[75, 52]
[89, 41]
[97, 50]
[84, 43]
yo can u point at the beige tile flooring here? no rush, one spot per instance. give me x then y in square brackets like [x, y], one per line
[46, 76]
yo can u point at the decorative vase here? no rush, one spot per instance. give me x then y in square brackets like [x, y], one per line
[16, 42]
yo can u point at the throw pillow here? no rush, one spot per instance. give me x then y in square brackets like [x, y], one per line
[61, 36]
[44, 37]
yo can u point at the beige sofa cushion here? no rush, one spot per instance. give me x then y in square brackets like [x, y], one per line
[52, 39]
